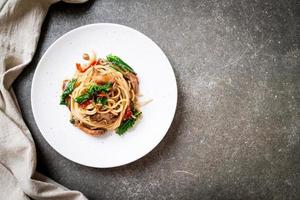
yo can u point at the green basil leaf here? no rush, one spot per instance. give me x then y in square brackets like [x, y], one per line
[119, 62]
[68, 90]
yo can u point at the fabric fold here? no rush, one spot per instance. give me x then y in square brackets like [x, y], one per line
[20, 27]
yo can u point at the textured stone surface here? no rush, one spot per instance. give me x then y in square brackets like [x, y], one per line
[236, 133]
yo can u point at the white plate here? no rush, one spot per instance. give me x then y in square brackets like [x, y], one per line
[157, 82]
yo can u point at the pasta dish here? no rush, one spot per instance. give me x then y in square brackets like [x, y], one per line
[102, 96]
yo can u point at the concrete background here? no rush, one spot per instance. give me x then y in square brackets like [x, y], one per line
[236, 132]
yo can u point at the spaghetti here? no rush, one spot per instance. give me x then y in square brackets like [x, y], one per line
[103, 95]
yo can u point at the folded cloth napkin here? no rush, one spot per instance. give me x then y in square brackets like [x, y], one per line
[20, 26]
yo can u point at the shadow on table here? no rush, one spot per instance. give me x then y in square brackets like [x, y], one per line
[73, 8]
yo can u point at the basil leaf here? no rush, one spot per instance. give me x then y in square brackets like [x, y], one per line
[119, 62]
[82, 98]
[68, 90]
[101, 88]
[101, 100]
[91, 90]
[127, 124]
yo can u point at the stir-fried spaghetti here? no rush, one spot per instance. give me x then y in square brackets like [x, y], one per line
[102, 95]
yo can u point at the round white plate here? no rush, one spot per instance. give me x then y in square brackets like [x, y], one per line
[157, 82]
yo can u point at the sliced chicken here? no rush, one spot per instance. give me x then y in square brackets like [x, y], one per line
[133, 80]
[110, 118]
[64, 85]
[103, 79]
[90, 131]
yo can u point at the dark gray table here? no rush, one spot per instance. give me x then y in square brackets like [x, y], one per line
[236, 133]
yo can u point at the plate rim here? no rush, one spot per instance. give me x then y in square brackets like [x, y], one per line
[34, 82]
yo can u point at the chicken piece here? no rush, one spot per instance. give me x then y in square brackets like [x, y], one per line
[103, 79]
[133, 80]
[64, 85]
[90, 131]
[68, 100]
[110, 118]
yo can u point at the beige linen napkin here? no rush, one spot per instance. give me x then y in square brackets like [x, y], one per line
[20, 26]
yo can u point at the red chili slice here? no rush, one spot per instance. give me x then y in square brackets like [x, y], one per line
[93, 63]
[128, 113]
[81, 68]
[85, 104]
[101, 94]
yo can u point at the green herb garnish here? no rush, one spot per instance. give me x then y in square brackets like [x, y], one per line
[101, 100]
[136, 113]
[69, 89]
[119, 62]
[125, 125]
[99, 88]
[91, 90]
[82, 98]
